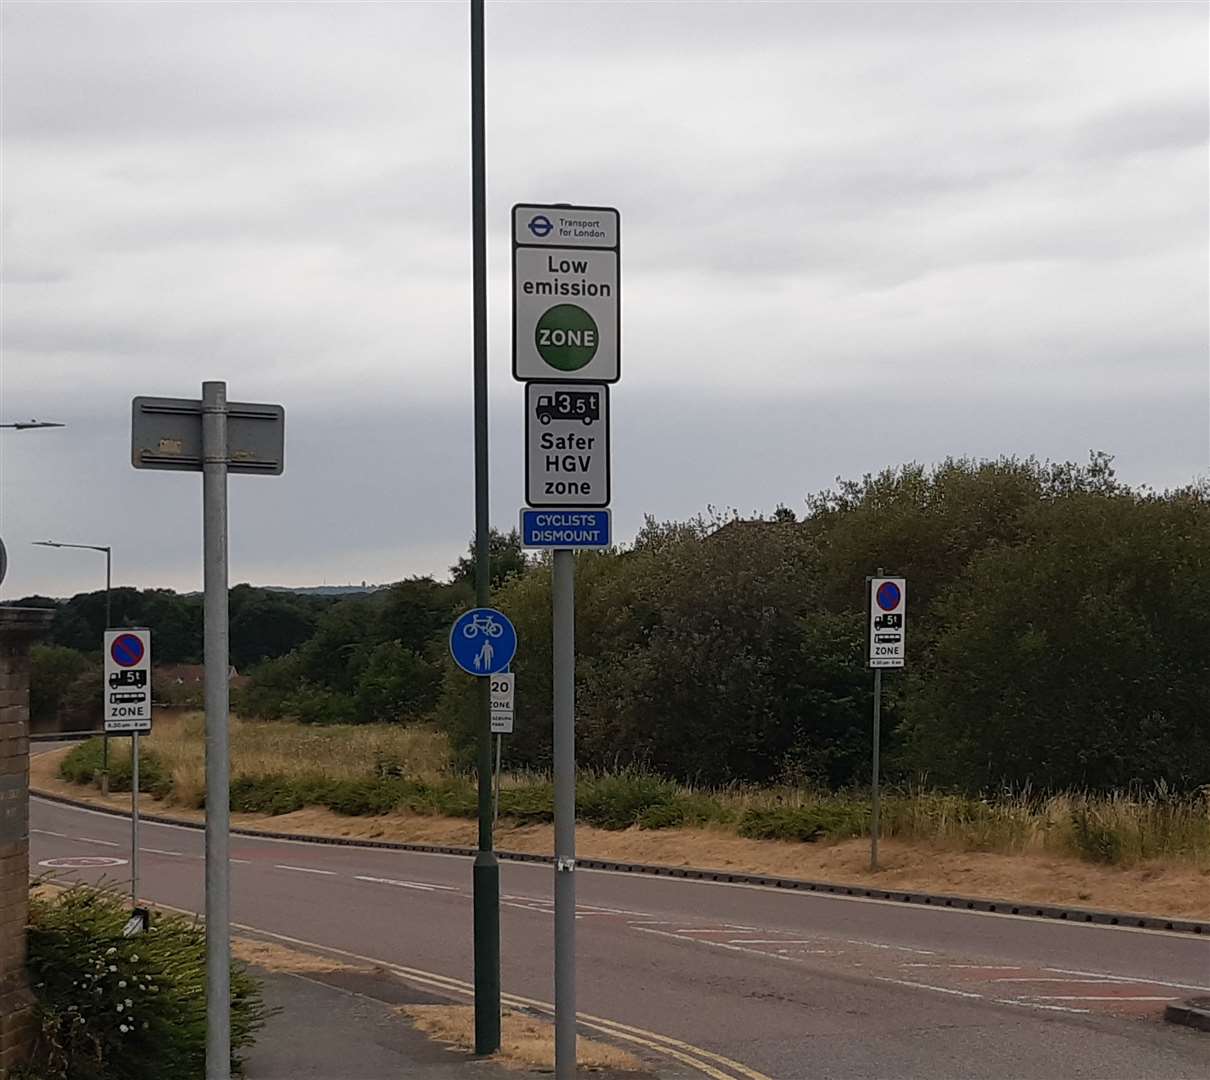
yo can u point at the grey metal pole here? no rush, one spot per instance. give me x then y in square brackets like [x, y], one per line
[563, 597]
[876, 792]
[218, 799]
[134, 819]
[108, 626]
[486, 870]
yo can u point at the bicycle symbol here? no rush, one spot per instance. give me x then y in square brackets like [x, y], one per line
[484, 623]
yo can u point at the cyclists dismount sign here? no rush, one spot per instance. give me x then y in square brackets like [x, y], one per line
[483, 641]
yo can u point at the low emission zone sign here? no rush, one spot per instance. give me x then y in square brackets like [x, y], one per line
[566, 293]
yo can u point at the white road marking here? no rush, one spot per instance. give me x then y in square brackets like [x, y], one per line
[973, 967]
[1035, 1005]
[305, 869]
[242, 862]
[1055, 978]
[1103, 997]
[391, 881]
[802, 894]
[161, 851]
[47, 832]
[1130, 979]
[771, 941]
[895, 948]
[928, 986]
[90, 840]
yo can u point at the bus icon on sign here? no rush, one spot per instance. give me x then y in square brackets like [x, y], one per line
[581, 405]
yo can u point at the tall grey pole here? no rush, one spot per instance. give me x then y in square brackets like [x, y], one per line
[134, 819]
[563, 596]
[218, 799]
[876, 792]
[108, 626]
[486, 871]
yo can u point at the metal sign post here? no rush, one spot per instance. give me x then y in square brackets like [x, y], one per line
[567, 331]
[126, 709]
[502, 689]
[563, 626]
[134, 819]
[216, 686]
[486, 871]
[886, 602]
[215, 437]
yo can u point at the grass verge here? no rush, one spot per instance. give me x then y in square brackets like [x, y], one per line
[526, 1042]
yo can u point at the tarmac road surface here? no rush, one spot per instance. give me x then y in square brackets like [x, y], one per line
[782, 986]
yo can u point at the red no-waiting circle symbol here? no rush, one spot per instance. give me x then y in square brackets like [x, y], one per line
[126, 650]
[888, 596]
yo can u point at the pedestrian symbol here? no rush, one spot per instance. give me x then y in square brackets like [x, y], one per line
[483, 641]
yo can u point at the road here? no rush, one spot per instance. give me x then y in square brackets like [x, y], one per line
[791, 986]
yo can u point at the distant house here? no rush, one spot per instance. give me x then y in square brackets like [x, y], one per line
[175, 681]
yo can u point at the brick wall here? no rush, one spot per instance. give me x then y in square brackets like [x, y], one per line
[19, 627]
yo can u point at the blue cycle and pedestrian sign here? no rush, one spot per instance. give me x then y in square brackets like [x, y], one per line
[483, 641]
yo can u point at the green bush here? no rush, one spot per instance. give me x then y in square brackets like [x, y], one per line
[802, 823]
[1095, 840]
[118, 1008]
[617, 800]
[82, 765]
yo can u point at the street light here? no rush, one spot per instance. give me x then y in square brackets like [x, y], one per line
[25, 425]
[89, 547]
[108, 623]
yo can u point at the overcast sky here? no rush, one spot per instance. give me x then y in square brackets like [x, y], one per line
[854, 235]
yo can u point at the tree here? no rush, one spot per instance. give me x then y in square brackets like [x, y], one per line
[506, 558]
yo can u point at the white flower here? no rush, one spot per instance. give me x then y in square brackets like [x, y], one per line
[129, 1002]
[120, 1006]
[123, 1028]
[113, 967]
[134, 956]
[121, 984]
[110, 951]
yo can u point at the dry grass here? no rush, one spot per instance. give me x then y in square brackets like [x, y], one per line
[526, 1042]
[280, 748]
[272, 957]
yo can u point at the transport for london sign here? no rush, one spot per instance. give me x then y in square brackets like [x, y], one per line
[567, 321]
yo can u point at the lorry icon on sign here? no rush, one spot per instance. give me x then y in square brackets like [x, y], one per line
[581, 405]
[127, 678]
[888, 622]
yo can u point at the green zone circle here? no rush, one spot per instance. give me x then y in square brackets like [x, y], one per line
[566, 337]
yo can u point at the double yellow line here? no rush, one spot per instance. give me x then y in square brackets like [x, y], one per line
[706, 1062]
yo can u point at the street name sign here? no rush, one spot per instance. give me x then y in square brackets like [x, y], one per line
[565, 528]
[567, 444]
[503, 686]
[567, 312]
[888, 621]
[127, 688]
[483, 641]
[166, 433]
